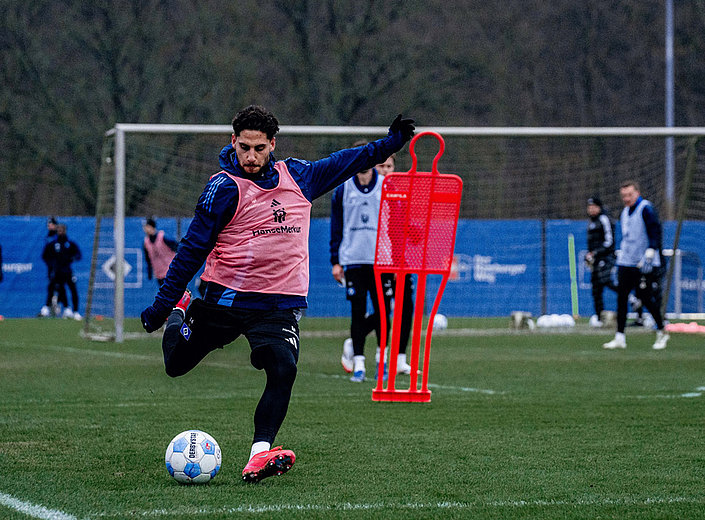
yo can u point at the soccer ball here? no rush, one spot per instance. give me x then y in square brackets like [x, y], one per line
[440, 322]
[193, 457]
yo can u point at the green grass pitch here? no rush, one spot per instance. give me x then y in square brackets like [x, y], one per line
[532, 425]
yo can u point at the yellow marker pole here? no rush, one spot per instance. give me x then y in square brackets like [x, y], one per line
[573, 275]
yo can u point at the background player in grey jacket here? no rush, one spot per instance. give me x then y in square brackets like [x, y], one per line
[354, 220]
[640, 264]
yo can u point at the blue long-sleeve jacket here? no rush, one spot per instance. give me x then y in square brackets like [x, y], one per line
[217, 205]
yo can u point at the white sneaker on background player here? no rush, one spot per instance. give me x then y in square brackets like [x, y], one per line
[347, 358]
[595, 322]
[359, 374]
[402, 366]
[619, 341]
[662, 338]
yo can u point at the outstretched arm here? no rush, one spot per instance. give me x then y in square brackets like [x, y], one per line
[319, 177]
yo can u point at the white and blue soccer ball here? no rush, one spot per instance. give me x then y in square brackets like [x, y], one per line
[440, 322]
[193, 457]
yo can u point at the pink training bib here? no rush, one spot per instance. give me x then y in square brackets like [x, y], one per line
[264, 248]
[160, 255]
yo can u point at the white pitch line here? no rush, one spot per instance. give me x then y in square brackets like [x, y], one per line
[124, 355]
[141, 357]
[430, 385]
[107, 353]
[380, 506]
[33, 510]
[466, 389]
[687, 395]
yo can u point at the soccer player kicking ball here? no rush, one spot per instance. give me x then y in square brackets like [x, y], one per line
[251, 229]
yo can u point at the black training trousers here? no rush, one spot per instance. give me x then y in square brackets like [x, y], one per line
[274, 344]
[648, 290]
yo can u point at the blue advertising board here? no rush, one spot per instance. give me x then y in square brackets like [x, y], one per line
[500, 266]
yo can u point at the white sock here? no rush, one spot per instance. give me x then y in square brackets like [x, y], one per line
[401, 360]
[259, 447]
[377, 355]
[619, 336]
[358, 363]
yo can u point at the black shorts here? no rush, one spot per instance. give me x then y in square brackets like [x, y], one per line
[208, 326]
[360, 280]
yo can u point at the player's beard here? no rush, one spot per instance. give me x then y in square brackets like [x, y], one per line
[254, 171]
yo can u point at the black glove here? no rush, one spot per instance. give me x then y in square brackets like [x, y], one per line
[152, 319]
[404, 126]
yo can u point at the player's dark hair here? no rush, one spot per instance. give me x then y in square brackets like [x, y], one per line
[628, 183]
[256, 117]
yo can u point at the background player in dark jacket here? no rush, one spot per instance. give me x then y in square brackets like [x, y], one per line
[54, 293]
[601, 254]
[61, 253]
[251, 228]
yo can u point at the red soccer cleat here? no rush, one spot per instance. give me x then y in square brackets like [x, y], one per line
[273, 462]
[184, 301]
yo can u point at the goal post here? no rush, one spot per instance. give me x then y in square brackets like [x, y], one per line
[509, 173]
[689, 191]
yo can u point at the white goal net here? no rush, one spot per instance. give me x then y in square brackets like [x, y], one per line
[511, 176]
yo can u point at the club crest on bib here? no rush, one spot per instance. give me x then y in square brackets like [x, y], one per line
[279, 213]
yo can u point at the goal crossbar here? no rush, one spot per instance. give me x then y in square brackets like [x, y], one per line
[469, 131]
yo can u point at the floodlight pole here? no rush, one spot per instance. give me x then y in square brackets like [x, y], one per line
[670, 160]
